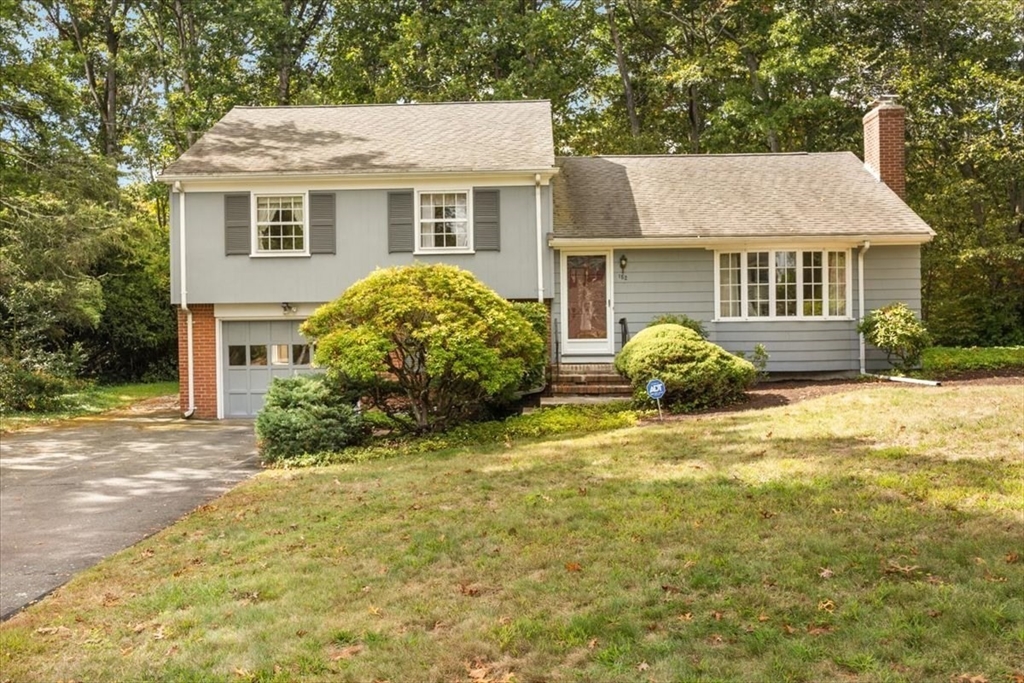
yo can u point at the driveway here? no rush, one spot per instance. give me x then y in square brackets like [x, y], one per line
[73, 494]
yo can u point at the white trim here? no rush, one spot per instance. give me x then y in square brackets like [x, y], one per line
[738, 243]
[860, 296]
[772, 317]
[254, 251]
[418, 248]
[540, 240]
[263, 311]
[600, 347]
[254, 182]
[218, 335]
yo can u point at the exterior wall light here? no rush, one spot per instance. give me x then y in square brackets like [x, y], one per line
[623, 262]
[288, 309]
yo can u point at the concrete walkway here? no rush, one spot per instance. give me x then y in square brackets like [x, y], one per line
[72, 494]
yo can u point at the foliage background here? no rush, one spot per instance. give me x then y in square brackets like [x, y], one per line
[95, 97]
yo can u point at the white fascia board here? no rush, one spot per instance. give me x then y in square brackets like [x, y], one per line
[241, 182]
[265, 311]
[739, 243]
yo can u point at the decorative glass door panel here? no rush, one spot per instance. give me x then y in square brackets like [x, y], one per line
[587, 293]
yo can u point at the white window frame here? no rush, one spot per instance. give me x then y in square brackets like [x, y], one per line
[744, 293]
[418, 247]
[255, 251]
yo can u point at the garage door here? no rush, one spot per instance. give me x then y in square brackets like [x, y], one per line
[255, 352]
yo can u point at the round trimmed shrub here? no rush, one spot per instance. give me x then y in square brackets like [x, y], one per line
[897, 331]
[697, 373]
[307, 414]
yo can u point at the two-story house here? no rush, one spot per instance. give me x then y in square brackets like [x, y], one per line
[276, 210]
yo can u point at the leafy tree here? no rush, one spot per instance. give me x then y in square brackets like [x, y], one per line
[429, 344]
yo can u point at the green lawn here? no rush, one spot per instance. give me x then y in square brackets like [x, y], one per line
[875, 535]
[92, 399]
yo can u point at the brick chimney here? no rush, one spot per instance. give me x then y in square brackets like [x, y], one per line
[884, 140]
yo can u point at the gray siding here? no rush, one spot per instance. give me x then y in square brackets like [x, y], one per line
[660, 281]
[362, 246]
[890, 274]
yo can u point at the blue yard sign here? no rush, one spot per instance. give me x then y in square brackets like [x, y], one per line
[656, 389]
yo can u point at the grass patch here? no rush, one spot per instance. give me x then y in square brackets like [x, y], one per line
[947, 361]
[563, 420]
[868, 536]
[94, 398]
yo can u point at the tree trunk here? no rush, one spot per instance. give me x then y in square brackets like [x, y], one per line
[627, 84]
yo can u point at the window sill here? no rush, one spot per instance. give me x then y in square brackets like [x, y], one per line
[788, 319]
[281, 255]
[441, 252]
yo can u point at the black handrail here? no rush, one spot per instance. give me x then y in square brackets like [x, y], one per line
[624, 329]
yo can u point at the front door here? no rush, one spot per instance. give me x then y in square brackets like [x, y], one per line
[587, 304]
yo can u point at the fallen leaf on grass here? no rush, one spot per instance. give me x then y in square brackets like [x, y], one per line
[1017, 678]
[767, 514]
[994, 578]
[934, 613]
[715, 639]
[592, 644]
[893, 567]
[669, 589]
[762, 617]
[243, 673]
[717, 616]
[374, 610]
[788, 629]
[347, 652]
[827, 606]
[1012, 558]
[685, 617]
[469, 589]
[573, 567]
[643, 666]
[825, 573]
[968, 678]
[62, 631]
[820, 630]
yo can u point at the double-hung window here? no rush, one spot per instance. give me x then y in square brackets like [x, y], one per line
[281, 224]
[782, 283]
[443, 222]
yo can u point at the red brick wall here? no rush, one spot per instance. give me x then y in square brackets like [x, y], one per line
[884, 140]
[204, 353]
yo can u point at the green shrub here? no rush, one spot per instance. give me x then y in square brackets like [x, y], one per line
[429, 344]
[681, 319]
[307, 414]
[944, 360]
[44, 383]
[697, 373]
[897, 331]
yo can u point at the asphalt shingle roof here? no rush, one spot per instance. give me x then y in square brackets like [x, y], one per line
[741, 195]
[448, 137]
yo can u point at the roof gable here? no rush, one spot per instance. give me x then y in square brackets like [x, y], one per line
[730, 195]
[366, 139]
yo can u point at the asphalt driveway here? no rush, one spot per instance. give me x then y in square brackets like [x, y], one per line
[70, 495]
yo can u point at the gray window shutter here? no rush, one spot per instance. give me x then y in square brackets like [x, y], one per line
[237, 224]
[486, 226]
[401, 237]
[322, 238]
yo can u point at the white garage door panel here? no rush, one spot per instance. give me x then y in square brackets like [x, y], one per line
[254, 353]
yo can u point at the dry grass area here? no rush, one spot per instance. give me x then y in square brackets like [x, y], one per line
[870, 535]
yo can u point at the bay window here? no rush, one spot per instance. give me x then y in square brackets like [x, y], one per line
[782, 283]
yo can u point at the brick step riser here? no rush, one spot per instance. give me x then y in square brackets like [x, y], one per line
[590, 379]
[590, 390]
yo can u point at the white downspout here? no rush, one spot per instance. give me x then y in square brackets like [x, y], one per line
[860, 297]
[540, 240]
[184, 303]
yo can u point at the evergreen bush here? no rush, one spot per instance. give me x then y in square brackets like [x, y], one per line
[305, 415]
[697, 373]
[681, 319]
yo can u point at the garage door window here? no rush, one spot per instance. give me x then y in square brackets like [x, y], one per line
[300, 354]
[258, 355]
[279, 354]
[236, 356]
